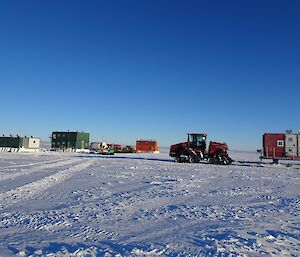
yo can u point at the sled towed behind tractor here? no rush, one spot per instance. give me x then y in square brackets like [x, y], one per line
[194, 150]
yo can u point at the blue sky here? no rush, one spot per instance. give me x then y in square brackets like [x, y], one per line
[158, 69]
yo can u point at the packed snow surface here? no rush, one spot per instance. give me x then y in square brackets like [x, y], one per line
[63, 204]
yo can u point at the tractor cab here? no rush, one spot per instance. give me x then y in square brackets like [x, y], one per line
[197, 141]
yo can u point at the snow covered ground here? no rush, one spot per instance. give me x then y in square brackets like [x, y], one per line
[58, 204]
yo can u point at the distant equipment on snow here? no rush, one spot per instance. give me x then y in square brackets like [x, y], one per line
[110, 149]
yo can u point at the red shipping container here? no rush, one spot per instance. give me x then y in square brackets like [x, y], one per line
[146, 146]
[273, 145]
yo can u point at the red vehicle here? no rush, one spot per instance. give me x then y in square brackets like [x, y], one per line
[194, 150]
[116, 147]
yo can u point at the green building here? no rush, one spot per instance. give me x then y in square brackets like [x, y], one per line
[67, 140]
[11, 142]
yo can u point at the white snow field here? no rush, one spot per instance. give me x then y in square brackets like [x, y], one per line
[59, 204]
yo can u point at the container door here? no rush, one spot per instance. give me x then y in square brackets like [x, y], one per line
[291, 145]
[273, 145]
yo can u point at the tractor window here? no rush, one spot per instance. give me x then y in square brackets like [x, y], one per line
[198, 141]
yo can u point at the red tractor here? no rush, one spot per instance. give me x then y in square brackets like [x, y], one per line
[194, 150]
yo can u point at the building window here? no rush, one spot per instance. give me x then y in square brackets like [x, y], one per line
[280, 142]
[290, 139]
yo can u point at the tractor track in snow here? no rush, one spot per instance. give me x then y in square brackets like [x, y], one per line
[31, 189]
[12, 180]
[15, 171]
[15, 166]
